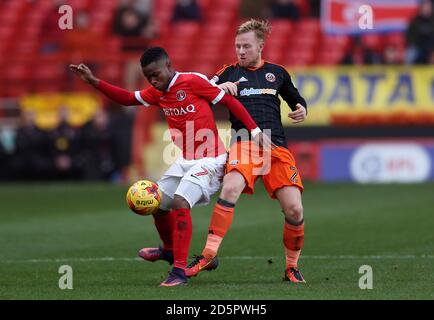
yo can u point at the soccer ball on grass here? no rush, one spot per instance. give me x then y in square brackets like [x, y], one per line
[144, 197]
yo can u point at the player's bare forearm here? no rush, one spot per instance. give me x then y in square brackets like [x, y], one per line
[94, 82]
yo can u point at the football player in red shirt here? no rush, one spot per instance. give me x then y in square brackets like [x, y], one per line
[185, 99]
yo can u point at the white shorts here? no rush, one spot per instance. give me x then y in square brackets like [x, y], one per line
[207, 173]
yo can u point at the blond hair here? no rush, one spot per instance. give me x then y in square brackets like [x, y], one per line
[261, 28]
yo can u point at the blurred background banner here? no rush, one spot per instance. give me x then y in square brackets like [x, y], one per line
[81, 106]
[343, 16]
[366, 160]
[402, 161]
[380, 92]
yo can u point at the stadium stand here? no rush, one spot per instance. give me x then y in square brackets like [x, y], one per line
[292, 43]
[35, 53]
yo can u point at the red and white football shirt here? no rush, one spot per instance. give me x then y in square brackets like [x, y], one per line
[185, 104]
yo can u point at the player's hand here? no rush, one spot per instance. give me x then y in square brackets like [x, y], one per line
[298, 115]
[264, 141]
[84, 73]
[229, 87]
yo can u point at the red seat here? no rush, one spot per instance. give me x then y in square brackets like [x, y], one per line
[6, 31]
[79, 4]
[9, 18]
[50, 78]
[373, 41]
[112, 72]
[186, 29]
[298, 57]
[304, 42]
[207, 69]
[179, 54]
[30, 33]
[16, 72]
[230, 5]
[222, 16]
[397, 39]
[280, 27]
[308, 26]
[207, 54]
[304, 7]
[49, 72]
[52, 86]
[331, 57]
[28, 47]
[274, 56]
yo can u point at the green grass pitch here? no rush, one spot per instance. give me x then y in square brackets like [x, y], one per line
[88, 226]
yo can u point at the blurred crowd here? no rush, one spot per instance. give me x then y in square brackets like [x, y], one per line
[136, 26]
[419, 46]
[98, 150]
[133, 19]
[420, 35]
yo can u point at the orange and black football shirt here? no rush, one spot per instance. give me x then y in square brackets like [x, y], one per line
[259, 90]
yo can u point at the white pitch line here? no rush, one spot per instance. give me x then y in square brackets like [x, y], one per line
[325, 257]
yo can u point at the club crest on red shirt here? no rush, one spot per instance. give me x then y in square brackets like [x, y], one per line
[270, 77]
[181, 95]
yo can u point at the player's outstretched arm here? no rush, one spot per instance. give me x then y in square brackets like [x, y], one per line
[84, 73]
[238, 110]
[114, 93]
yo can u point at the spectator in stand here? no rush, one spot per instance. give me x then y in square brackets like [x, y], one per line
[283, 9]
[32, 159]
[66, 149]
[4, 160]
[50, 33]
[359, 54]
[315, 8]
[392, 55]
[256, 9]
[431, 58]
[97, 142]
[133, 19]
[81, 40]
[143, 6]
[420, 35]
[186, 10]
[121, 125]
[129, 23]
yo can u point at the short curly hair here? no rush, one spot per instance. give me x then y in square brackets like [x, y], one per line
[153, 54]
[261, 28]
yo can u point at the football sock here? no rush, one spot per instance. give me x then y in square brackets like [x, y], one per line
[164, 224]
[221, 221]
[293, 238]
[181, 237]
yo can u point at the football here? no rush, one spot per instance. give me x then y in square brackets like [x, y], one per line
[144, 197]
